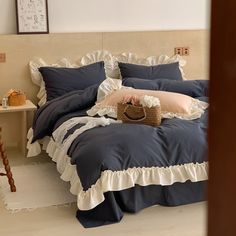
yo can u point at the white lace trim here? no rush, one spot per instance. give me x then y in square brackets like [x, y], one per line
[111, 61]
[111, 65]
[107, 57]
[196, 109]
[108, 86]
[36, 148]
[37, 78]
[152, 60]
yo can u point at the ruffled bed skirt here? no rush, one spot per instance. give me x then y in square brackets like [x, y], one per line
[132, 200]
[116, 180]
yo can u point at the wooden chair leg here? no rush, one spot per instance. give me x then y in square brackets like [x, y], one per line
[7, 167]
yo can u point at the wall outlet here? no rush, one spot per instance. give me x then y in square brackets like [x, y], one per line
[179, 51]
[186, 51]
[2, 57]
[182, 51]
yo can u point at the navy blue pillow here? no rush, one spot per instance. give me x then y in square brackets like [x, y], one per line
[193, 88]
[168, 71]
[59, 81]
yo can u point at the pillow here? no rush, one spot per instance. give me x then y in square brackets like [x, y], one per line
[37, 78]
[111, 61]
[111, 66]
[193, 88]
[168, 71]
[59, 81]
[107, 86]
[172, 104]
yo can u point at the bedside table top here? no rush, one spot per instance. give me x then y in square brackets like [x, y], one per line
[29, 106]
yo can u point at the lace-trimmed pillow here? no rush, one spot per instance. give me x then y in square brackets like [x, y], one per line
[111, 61]
[111, 66]
[37, 78]
[172, 104]
[59, 81]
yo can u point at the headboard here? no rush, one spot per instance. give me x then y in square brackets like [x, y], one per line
[20, 49]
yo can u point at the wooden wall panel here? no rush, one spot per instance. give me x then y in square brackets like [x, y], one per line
[20, 49]
[164, 42]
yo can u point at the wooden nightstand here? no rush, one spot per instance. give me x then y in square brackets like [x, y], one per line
[24, 109]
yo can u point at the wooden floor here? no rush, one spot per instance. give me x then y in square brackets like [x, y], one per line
[186, 220]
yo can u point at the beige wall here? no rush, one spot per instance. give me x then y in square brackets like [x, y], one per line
[20, 49]
[113, 15]
[164, 42]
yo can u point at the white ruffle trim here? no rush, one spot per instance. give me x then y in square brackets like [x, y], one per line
[36, 148]
[111, 61]
[196, 109]
[120, 180]
[107, 87]
[37, 78]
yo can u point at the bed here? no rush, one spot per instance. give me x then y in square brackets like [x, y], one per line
[115, 167]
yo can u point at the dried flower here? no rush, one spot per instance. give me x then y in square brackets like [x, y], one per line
[149, 101]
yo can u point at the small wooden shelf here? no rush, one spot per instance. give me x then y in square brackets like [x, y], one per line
[24, 109]
[29, 106]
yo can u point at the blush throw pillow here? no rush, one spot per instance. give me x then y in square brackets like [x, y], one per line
[59, 81]
[172, 104]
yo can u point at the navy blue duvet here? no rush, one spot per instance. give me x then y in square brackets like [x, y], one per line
[118, 147]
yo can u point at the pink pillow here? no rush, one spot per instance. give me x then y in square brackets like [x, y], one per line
[172, 104]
